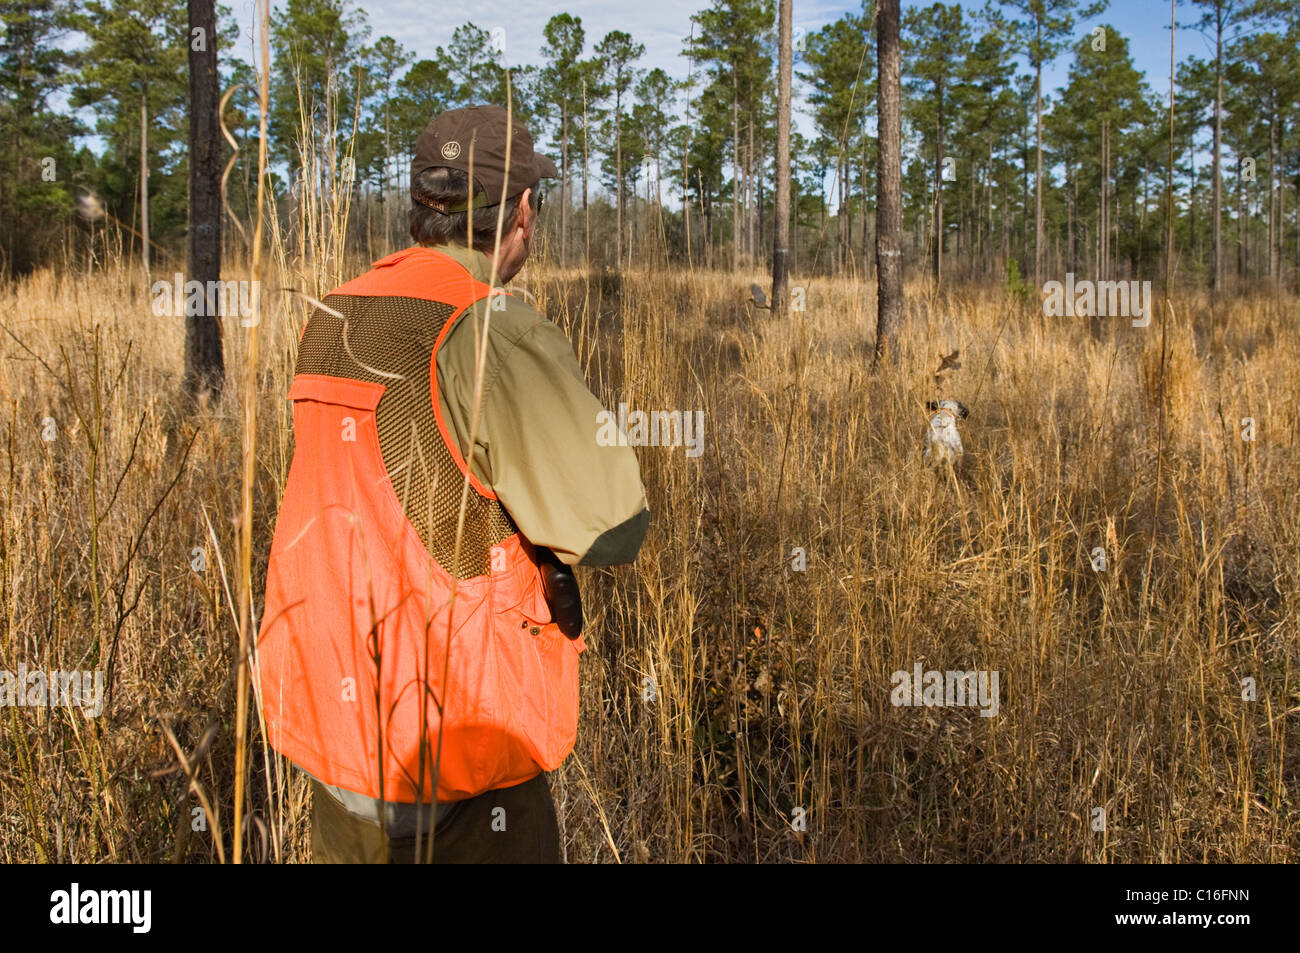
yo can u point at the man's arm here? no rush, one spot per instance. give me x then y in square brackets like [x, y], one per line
[583, 501]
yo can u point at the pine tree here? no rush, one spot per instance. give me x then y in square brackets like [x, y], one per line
[729, 39]
[1105, 109]
[135, 64]
[317, 52]
[1268, 75]
[937, 44]
[561, 85]
[1219, 18]
[389, 58]
[984, 108]
[618, 52]
[650, 124]
[1043, 29]
[841, 85]
[39, 161]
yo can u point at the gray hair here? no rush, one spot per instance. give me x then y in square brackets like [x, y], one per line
[434, 190]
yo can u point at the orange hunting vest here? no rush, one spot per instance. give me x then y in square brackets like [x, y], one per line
[371, 675]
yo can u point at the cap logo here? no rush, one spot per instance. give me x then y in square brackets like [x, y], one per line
[450, 150]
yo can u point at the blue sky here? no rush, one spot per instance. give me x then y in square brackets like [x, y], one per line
[662, 25]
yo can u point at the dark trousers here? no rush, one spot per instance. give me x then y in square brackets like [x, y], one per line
[513, 825]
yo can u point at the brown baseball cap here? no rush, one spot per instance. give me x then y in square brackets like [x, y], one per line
[449, 139]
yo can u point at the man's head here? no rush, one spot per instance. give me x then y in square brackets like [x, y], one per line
[462, 171]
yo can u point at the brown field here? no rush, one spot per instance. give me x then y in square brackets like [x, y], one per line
[1120, 690]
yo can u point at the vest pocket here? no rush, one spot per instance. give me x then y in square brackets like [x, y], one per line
[361, 395]
[544, 672]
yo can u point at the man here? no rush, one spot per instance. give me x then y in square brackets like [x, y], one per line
[445, 462]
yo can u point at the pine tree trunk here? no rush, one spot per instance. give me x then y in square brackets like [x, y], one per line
[618, 179]
[686, 190]
[564, 181]
[889, 183]
[865, 216]
[1241, 247]
[735, 172]
[204, 366]
[781, 231]
[1272, 196]
[1216, 267]
[586, 210]
[144, 180]
[686, 197]
[1103, 257]
[750, 206]
[1038, 175]
[388, 164]
[1069, 216]
[938, 191]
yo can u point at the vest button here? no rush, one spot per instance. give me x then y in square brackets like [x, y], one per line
[535, 630]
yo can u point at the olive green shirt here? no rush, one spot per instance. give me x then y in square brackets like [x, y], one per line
[535, 444]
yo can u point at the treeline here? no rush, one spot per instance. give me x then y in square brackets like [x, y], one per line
[998, 171]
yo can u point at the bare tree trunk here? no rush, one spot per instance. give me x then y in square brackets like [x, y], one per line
[1070, 195]
[841, 212]
[794, 233]
[1142, 218]
[708, 227]
[1216, 266]
[204, 367]
[735, 172]
[849, 263]
[988, 255]
[1006, 226]
[659, 202]
[586, 210]
[938, 192]
[781, 233]
[686, 192]
[618, 179]
[750, 196]
[686, 164]
[889, 183]
[1296, 280]
[1038, 176]
[865, 215]
[564, 181]
[1272, 196]
[144, 180]
[388, 174]
[1103, 267]
[1241, 244]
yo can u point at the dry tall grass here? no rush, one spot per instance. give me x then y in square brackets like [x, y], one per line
[724, 690]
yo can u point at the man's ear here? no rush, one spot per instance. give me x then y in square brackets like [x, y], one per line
[527, 215]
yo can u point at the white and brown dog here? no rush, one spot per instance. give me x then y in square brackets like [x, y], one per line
[942, 441]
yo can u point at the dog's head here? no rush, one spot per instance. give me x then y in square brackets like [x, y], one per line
[954, 407]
